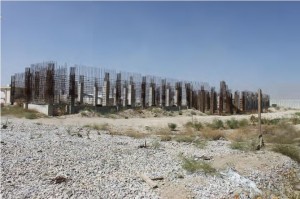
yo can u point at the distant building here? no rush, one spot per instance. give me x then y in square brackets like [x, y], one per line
[5, 94]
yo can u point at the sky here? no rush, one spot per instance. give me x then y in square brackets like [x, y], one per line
[250, 45]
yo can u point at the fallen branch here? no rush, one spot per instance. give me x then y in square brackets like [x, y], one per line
[150, 182]
[157, 178]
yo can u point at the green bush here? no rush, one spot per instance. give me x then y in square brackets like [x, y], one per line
[232, 123]
[172, 126]
[191, 165]
[243, 123]
[216, 124]
[196, 125]
[297, 114]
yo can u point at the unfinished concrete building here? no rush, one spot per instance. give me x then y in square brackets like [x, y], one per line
[72, 89]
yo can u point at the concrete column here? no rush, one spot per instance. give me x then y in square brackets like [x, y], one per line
[72, 89]
[125, 97]
[176, 97]
[152, 94]
[212, 101]
[95, 100]
[105, 90]
[167, 96]
[80, 89]
[115, 97]
[236, 102]
[129, 97]
[202, 100]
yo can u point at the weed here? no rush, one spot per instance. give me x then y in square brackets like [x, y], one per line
[232, 123]
[216, 124]
[172, 126]
[180, 112]
[288, 150]
[297, 114]
[283, 133]
[191, 165]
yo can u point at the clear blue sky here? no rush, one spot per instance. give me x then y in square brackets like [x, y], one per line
[250, 45]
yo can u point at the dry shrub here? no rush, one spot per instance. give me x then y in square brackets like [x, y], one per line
[20, 112]
[135, 134]
[188, 131]
[165, 138]
[216, 124]
[184, 138]
[242, 135]
[288, 150]
[162, 131]
[211, 134]
[100, 127]
[249, 145]
[196, 125]
[283, 133]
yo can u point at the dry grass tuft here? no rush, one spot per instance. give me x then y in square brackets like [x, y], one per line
[283, 133]
[288, 150]
[211, 134]
[99, 127]
[184, 138]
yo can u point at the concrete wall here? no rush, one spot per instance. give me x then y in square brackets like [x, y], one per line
[45, 109]
[287, 103]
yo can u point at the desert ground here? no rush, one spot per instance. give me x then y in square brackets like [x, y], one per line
[151, 154]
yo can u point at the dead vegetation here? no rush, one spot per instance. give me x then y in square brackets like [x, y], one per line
[99, 127]
[20, 112]
[288, 150]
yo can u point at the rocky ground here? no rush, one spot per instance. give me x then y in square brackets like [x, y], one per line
[57, 161]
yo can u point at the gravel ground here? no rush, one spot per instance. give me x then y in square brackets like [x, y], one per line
[35, 157]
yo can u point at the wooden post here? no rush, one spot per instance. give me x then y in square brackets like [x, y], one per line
[259, 110]
[261, 141]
